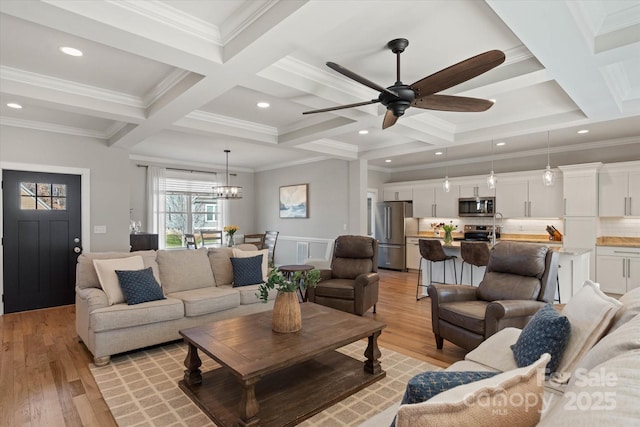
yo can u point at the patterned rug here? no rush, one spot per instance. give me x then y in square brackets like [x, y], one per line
[141, 388]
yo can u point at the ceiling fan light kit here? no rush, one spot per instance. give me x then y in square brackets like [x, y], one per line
[227, 191]
[423, 93]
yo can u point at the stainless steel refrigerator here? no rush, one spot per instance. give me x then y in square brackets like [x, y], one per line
[393, 222]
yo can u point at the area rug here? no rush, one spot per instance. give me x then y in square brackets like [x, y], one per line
[141, 388]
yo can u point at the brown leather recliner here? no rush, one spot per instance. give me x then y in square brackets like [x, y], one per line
[519, 279]
[351, 284]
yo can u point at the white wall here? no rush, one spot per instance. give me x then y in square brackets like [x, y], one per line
[328, 206]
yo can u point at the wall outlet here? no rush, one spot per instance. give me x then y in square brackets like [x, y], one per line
[100, 229]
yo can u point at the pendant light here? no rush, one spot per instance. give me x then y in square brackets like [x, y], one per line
[227, 191]
[446, 185]
[492, 179]
[548, 176]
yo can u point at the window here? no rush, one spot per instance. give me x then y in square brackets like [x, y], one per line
[43, 196]
[190, 207]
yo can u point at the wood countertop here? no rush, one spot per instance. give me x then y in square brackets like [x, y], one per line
[630, 242]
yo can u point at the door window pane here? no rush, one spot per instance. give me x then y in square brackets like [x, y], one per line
[43, 196]
[27, 202]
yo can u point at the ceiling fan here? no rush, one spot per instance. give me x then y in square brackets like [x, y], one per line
[423, 93]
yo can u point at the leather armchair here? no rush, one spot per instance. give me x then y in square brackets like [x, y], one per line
[519, 279]
[351, 284]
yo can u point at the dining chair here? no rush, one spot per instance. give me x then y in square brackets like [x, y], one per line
[255, 239]
[270, 239]
[190, 241]
[211, 237]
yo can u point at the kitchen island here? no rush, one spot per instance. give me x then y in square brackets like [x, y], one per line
[573, 262]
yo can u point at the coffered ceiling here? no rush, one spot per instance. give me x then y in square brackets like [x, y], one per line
[180, 79]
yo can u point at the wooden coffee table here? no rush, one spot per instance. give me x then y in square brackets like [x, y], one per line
[272, 379]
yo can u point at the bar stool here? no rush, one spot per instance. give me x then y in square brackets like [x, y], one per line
[474, 253]
[431, 250]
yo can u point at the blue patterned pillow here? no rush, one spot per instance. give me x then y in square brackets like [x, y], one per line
[247, 271]
[546, 332]
[139, 286]
[424, 386]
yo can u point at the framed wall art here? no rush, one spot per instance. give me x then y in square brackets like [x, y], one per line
[294, 201]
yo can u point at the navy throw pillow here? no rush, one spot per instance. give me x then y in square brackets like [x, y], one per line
[247, 271]
[546, 332]
[424, 386]
[139, 286]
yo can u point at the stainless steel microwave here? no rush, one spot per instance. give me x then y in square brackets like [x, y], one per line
[476, 206]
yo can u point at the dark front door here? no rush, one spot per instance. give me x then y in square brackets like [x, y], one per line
[41, 241]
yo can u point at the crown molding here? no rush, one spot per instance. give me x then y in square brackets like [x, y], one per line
[172, 17]
[229, 121]
[50, 127]
[61, 85]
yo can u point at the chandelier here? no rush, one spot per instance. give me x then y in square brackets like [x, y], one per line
[227, 191]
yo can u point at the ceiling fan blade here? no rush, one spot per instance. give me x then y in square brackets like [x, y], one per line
[341, 107]
[359, 78]
[389, 119]
[458, 73]
[452, 103]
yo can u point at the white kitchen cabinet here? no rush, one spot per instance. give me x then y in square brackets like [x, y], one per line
[447, 203]
[573, 270]
[580, 189]
[511, 198]
[433, 201]
[545, 202]
[619, 192]
[618, 269]
[392, 194]
[476, 190]
[424, 200]
[413, 253]
[581, 232]
[529, 198]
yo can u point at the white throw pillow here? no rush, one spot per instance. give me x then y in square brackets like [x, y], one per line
[237, 253]
[495, 352]
[106, 271]
[513, 398]
[590, 313]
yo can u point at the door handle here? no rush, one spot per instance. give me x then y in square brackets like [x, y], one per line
[629, 268]
[624, 263]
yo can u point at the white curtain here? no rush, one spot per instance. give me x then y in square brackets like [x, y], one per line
[156, 202]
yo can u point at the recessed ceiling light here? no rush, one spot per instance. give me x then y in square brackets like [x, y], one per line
[388, 161]
[363, 132]
[439, 153]
[583, 131]
[500, 144]
[70, 51]
[263, 104]
[14, 105]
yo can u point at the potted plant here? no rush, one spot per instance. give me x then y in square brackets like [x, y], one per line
[286, 309]
[231, 230]
[448, 228]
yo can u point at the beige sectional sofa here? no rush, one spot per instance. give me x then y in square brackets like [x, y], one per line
[600, 385]
[198, 288]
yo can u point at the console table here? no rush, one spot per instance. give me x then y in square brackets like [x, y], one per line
[143, 241]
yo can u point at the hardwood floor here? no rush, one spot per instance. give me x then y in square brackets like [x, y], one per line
[45, 378]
